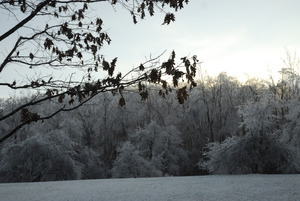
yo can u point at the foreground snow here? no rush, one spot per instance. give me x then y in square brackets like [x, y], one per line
[239, 187]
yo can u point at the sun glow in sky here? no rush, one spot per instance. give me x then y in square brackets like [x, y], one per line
[240, 37]
[237, 37]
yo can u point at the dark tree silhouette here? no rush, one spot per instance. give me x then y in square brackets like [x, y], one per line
[72, 38]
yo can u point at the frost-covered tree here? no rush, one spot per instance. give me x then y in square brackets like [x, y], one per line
[260, 150]
[130, 163]
[151, 151]
[291, 130]
[250, 154]
[162, 146]
[52, 150]
[158, 136]
[91, 165]
[38, 159]
[261, 117]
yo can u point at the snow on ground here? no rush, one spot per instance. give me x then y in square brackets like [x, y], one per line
[233, 187]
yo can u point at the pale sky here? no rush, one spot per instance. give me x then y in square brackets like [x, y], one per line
[234, 36]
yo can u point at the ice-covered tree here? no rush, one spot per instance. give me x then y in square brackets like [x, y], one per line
[291, 129]
[130, 163]
[162, 146]
[250, 154]
[38, 159]
[260, 150]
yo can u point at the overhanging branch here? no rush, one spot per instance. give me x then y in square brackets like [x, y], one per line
[27, 19]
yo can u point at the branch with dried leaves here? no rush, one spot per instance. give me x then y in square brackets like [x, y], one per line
[72, 39]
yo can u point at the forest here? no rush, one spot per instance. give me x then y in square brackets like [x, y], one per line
[223, 127]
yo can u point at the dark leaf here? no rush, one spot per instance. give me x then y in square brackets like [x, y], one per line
[142, 67]
[94, 49]
[71, 101]
[61, 98]
[105, 65]
[122, 102]
[151, 8]
[112, 67]
[154, 76]
[144, 95]
[48, 43]
[49, 92]
[168, 18]
[134, 19]
[31, 56]
[141, 86]
[27, 116]
[79, 55]
[182, 95]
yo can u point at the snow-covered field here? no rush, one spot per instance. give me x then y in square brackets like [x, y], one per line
[237, 187]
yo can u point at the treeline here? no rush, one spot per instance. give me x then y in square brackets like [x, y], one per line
[224, 127]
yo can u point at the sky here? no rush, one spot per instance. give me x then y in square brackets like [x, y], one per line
[236, 36]
[242, 38]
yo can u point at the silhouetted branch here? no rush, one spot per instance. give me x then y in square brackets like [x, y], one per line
[27, 19]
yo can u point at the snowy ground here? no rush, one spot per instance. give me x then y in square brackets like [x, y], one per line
[243, 187]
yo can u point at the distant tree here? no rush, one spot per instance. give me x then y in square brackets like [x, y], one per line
[260, 150]
[162, 146]
[288, 86]
[251, 154]
[62, 35]
[130, 163]
[210, 115]
[38, 159]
